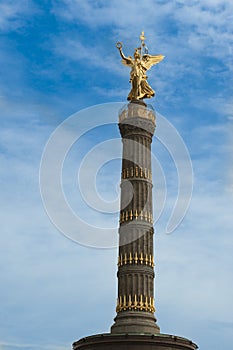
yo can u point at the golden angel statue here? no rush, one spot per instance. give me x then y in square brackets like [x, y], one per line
[139, 64]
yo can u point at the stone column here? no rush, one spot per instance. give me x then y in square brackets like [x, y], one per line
[135, 325]
[135, 303]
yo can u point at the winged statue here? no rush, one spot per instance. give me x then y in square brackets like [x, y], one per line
[139, 64]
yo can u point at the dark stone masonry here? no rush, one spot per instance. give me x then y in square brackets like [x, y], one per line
[135, 326]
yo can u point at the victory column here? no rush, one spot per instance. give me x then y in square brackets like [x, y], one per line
[135, 326]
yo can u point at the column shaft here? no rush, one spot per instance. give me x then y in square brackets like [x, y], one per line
[135, 301]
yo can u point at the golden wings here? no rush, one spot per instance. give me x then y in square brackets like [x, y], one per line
[147, 61]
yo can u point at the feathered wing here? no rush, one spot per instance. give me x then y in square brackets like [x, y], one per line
[148, 60]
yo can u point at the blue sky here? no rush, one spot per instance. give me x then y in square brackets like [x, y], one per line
[59, 57]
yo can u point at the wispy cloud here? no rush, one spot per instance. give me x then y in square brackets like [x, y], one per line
[200, 32]
[25, 346]
[14, 14]
[210, 20]
[86, 54]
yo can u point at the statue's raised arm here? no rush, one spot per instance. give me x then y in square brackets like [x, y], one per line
[141, 62]
[127, 61]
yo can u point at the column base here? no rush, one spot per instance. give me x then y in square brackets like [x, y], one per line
[134, 342]
[135, 322]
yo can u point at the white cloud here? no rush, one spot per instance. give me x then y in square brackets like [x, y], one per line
[101, 13]
[25, 346]
[94, 57]
[229, 187]
[188, 34]
[211, 21]
[13, 14]
[194, 266]
[194, 262]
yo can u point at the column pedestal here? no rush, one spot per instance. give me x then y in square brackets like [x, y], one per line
[134, 342]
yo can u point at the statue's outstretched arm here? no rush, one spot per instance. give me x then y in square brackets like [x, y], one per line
[125, 60]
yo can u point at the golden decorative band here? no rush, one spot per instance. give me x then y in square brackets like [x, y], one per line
[138, 172]
[139, 303]
[145, 259]
[130, 215]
